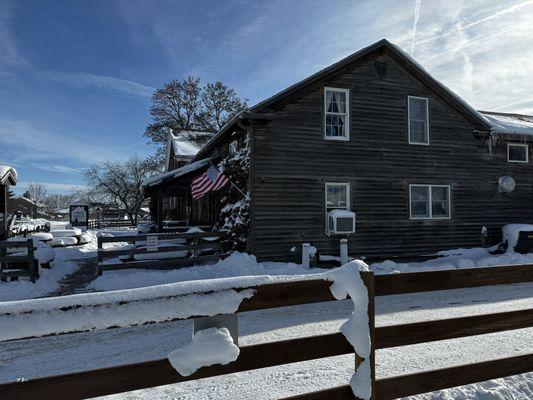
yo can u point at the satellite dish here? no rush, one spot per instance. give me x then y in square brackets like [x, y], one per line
[506, 184]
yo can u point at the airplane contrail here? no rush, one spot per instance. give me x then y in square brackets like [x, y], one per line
[415, 23]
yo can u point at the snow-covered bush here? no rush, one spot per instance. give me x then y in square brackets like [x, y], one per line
[234, 218]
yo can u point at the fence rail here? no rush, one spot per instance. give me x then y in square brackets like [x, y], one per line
[119, 223]
[15, 266]
[199, 248]
[159, 372]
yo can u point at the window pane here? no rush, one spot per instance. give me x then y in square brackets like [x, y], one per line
[517, 153]
[419, 209]
[418, 129]
[418, 132]
[335, 101]
[335, 125]
[417, 109]
[419, 201]
[439, 209]
[439, 193]
[439, 202]
[336, 197]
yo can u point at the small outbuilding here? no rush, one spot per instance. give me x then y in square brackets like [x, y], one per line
[8, 177]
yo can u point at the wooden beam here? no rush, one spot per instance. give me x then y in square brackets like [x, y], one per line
[429, 381]
[429, 331]
[414, 282]
[88, 384]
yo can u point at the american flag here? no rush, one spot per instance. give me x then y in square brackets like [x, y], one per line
[209, 181]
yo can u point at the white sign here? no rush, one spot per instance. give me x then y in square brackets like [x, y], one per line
[151, 243]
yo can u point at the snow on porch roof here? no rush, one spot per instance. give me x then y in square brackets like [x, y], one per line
[186, 169]
[513, 124]
[8, 175]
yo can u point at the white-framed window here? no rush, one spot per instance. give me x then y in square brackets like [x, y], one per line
[429, 202]
[336, 114]
[418, 120]
[517, 152]
[337, 197]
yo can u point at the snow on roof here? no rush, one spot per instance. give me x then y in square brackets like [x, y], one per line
[184, 145]
[8, 175]
[30, 201]
[156, 179]
[517, 124]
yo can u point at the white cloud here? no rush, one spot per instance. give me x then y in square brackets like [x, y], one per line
[57, 168]
[51, 187]
[28, 143]
[9, 53]
[83, 79]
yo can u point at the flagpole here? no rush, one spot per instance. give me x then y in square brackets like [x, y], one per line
[229, 180]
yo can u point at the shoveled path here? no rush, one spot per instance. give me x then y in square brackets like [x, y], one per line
[78, 280]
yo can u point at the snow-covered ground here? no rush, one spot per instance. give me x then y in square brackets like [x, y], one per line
[54, 355]
[63, 265]
[76, 352]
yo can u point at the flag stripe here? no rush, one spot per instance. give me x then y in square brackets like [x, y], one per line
[210, 180]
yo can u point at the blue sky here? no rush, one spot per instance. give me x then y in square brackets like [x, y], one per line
[76, 76]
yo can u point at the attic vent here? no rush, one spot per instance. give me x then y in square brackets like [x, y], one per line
[381, 68]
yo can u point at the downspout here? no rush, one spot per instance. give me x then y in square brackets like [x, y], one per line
[250, 243]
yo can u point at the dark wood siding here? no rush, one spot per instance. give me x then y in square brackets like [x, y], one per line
[292, 162]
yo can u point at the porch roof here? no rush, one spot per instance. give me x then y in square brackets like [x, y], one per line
[170, 175]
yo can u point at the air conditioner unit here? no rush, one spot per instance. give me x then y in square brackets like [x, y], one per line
[341, 222]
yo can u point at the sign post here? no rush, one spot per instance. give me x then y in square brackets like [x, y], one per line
[79, 215]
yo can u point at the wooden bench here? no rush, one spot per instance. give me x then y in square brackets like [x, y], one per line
[198, 247]
[13, 265]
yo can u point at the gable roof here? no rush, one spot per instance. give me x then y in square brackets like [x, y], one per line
[184, 146]
[405, 60]
[8, 175]
[262, 109]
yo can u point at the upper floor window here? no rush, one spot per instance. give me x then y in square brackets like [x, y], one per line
[336, 115]
[418, 116]
[517, 152]
[429, 201]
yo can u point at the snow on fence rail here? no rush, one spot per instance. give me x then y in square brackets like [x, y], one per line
[268, 292]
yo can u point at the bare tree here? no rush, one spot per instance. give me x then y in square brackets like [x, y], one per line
[120, 183]
[36, 192]
[185, 106]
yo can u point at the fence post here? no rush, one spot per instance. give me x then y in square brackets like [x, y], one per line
[368, 279]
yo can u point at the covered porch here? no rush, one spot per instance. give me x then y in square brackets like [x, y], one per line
[171, 203]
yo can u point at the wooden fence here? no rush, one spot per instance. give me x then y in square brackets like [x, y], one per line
[13, 266]
[81, 385]
[119, 223]
[200, 247]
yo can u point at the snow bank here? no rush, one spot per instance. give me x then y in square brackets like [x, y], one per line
[44, 254]
[42, 236]
[57, 242]
[62, 233]
[85, 238]
[208, 347]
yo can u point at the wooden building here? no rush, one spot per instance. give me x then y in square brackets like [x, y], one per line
[377, 135]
